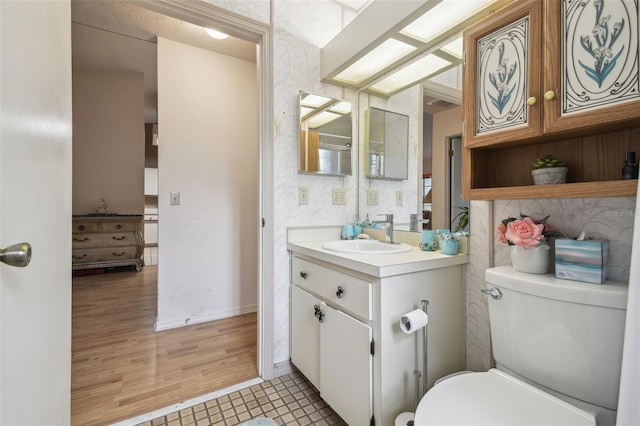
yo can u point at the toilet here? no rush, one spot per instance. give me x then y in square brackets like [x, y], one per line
[558, 350]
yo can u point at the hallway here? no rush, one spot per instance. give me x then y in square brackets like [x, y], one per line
[122, 368]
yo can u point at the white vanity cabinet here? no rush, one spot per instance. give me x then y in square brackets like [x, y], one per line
[345, 333]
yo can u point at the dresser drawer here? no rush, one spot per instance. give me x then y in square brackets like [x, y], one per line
[84, 227]
[118, 226]
[116, 239]
[340, 289]
[108, 254]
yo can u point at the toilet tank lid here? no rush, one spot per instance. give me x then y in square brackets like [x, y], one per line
[611, 294]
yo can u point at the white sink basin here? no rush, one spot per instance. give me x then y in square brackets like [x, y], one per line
[366, 247]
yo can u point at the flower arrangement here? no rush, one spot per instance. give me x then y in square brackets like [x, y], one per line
[525, 231]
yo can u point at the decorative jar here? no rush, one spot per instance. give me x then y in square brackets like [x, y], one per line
[532, 260]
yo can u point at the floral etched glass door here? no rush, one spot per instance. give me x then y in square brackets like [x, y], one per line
[598, 77]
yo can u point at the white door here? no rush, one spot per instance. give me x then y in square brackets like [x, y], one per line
[35, 207]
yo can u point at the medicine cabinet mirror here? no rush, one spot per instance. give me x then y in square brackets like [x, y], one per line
[325, 135]
[387, 145]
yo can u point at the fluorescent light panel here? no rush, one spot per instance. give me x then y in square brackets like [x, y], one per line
[322, 118]
[314, 101]
[417, 71]
[442, 17]
[379, 58]
[216, 34]
[341, 108]
[454, 48]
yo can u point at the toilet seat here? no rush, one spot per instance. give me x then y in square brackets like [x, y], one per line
[495, 398]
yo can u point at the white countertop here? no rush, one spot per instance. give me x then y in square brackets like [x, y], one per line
[379, 265]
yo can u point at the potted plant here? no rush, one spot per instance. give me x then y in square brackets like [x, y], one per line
[549, 170]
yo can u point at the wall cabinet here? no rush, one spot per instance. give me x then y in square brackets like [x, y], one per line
[103, 241]
[551, 77]
[346, 339]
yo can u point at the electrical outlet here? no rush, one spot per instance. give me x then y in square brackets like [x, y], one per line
[399, 198]
[174, 199]
[338, 196]
[373, 197]
[303, 196]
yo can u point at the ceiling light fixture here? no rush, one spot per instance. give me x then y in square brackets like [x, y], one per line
[216, 34]
[386, 49]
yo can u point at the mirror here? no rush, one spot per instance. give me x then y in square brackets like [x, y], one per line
[387, 145]
[325, 135]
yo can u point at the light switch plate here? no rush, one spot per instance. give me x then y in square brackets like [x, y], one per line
[303, 196]
[338, 196]
[373, 197]
[399, 198]
[174, 199]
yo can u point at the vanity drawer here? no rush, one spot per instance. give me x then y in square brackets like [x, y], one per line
[116, 239]
[339, 289]
[107, 254]
[118, 226]
[85, 227]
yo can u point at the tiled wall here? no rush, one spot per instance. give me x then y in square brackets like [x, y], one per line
[604, 218]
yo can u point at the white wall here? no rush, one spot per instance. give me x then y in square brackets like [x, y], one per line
[208, 151]
[108, 142]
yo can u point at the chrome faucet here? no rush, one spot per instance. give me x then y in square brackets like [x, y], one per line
[389, 226]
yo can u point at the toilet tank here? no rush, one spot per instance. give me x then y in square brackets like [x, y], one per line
[564, 335]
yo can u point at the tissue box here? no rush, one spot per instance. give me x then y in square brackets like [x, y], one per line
[584, 260]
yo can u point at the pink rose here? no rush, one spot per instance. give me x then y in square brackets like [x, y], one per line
[501, 230]
[524, 233]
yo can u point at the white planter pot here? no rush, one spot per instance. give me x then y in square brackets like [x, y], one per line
[549, 175]
[533, 260]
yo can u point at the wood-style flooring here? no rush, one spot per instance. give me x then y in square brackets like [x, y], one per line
[121, 368]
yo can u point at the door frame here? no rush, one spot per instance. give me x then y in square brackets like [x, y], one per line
[205, 14]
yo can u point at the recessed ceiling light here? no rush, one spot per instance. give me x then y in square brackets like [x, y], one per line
[380, 57]
[443, 16]
[410, 74]
[216, 34]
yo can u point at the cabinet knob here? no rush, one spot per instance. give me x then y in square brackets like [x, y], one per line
[303, 275]
[549, 95]
[340, 292]
[317, 312]
[531, 101]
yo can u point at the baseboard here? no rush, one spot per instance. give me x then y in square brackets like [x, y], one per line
[283, 368]
[203, 317]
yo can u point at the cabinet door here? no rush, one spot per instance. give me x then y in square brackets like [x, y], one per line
[305, 335]
[502, 76]
[346, 366]
[591, 64]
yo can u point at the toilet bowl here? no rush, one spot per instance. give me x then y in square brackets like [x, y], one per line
[557, 346]
[494, 398]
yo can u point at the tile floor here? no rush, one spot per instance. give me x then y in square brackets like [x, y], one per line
[287, 400]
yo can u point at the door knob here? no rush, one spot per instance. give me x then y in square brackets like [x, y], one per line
[531, 101]
[549, 95]
[16, 255]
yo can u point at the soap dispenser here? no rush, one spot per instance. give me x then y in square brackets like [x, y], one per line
[630, 169]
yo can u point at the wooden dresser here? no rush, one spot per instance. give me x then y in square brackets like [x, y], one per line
[103, 241]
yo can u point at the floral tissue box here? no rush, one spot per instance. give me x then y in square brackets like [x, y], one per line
[582, 260]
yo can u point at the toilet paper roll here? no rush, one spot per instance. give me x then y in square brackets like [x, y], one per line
[413, 321]
[403, 419]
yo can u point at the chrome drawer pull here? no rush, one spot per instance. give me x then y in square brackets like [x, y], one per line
[119, 238]
[80, 240]
[116, 254]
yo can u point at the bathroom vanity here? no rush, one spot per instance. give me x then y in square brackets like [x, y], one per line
[345, 332]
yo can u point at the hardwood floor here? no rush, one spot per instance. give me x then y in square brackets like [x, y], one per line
[122, 368]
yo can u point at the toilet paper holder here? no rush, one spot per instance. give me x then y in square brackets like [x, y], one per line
[408, 327]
